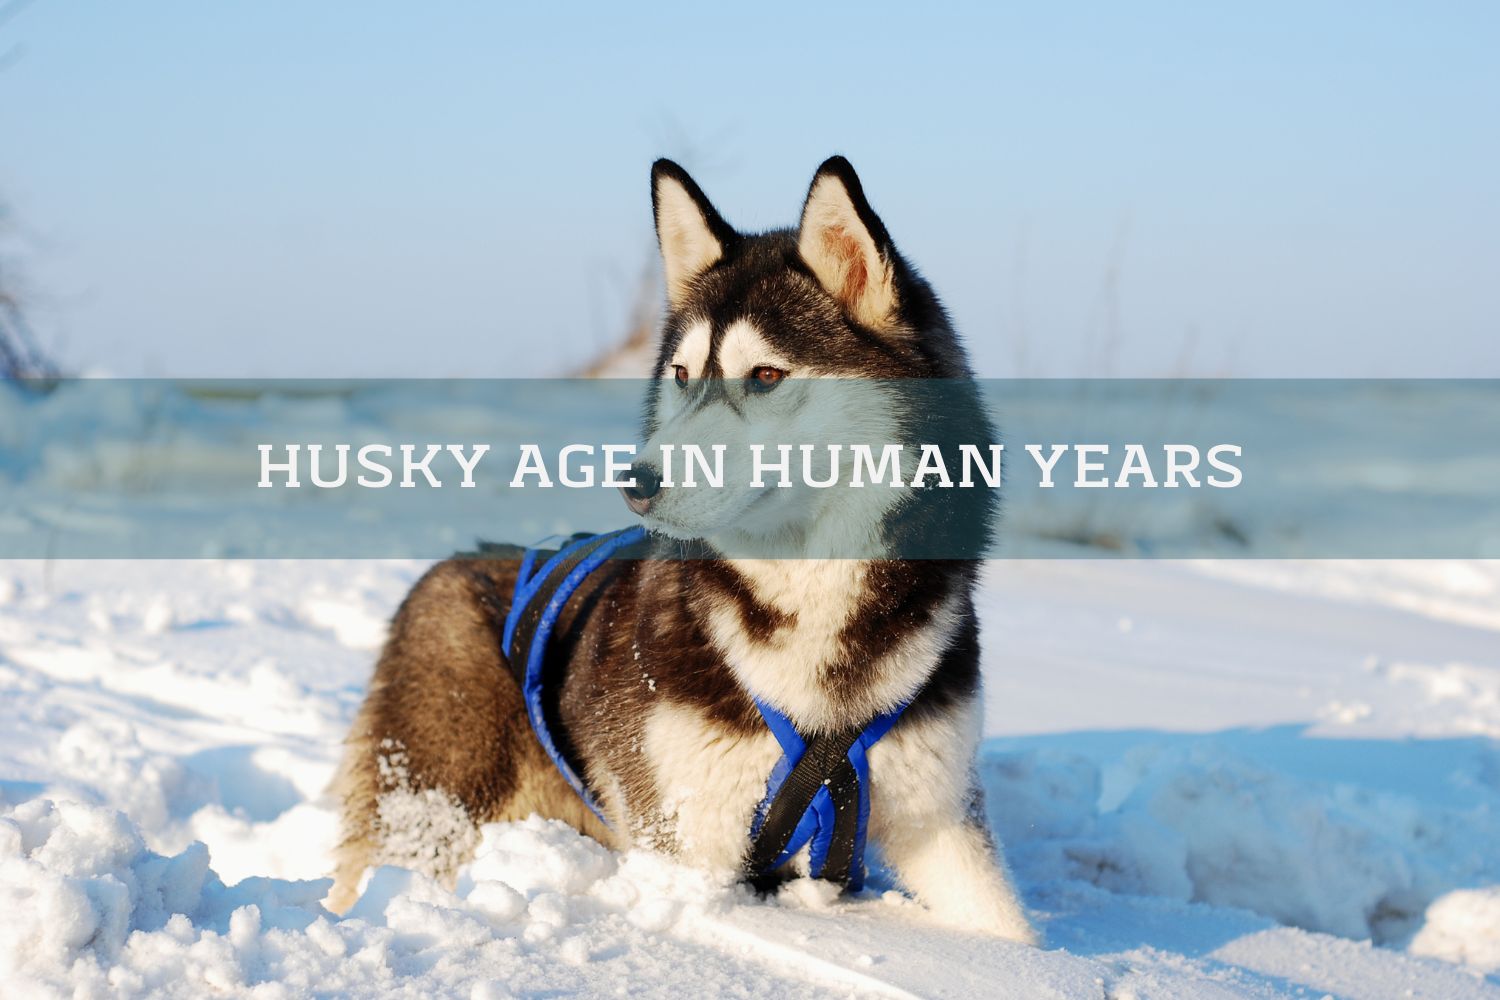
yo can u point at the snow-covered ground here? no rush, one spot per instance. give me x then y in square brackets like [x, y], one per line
[1214, 779]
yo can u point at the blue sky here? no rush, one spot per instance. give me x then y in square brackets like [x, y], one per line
[332, 189]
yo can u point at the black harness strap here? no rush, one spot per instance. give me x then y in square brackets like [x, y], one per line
[825, 763]
[844, 787]
[530, 616]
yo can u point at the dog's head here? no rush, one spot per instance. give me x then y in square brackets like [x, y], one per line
[797, 336]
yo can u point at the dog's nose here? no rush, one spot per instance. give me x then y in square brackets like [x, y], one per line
[647, 485]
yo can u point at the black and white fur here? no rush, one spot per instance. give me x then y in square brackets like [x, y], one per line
[659, 656]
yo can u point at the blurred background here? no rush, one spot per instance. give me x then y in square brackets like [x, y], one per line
[379, 189]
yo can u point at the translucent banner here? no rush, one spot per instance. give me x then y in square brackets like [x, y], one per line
[808, 468]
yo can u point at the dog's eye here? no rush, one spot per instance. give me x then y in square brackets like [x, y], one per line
[680, 375]
[765, 378]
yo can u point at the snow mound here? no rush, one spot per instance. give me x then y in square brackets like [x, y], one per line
[539, 909]
[1463, 926]
[104, 913]
[1199, 823]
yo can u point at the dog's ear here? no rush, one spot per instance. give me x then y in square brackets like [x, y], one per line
[845, 245]
[692, 235]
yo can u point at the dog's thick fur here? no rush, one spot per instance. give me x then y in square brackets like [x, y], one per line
[657, 658]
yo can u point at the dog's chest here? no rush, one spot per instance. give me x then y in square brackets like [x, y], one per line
[703, 755]
[791, 636]
[780, 633]
[708, 779]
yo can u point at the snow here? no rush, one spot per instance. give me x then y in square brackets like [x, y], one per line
[1213, 779]
[1463, 926]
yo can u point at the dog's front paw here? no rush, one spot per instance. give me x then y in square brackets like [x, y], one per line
[1006, 923]
[1021, 932]
[993, 918]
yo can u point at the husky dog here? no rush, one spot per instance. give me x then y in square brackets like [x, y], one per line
[660, 659]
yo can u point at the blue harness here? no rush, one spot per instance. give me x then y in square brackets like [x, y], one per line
[817, 795]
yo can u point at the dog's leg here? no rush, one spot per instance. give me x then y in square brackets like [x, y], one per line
[356, 788]
[953, 865]
[927, 814]
[442, 743]
[707, 783]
